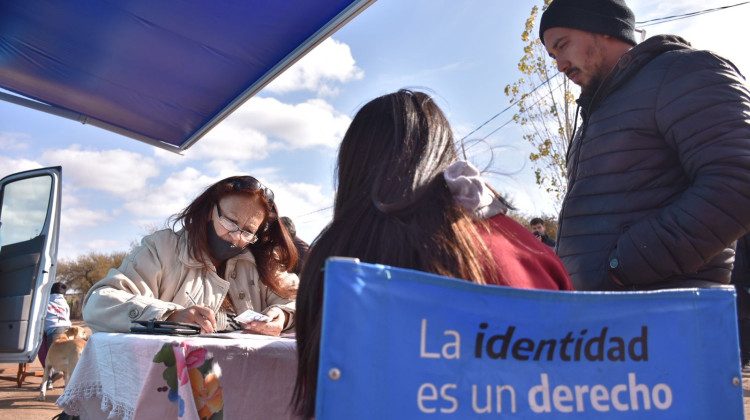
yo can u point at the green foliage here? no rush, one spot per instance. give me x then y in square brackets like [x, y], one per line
[545, 112]
[550, 222]
[82, 272]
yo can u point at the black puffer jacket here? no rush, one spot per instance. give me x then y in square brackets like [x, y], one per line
[659, 172]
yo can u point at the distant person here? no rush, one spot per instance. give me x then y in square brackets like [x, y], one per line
[405, 199]
[229, 256]
[302, 246]
[659, 170]
[56, 322]
[540, 231]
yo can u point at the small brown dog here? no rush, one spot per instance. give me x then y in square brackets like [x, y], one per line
[63, 356]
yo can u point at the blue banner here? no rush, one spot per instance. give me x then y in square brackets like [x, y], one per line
[402, 344]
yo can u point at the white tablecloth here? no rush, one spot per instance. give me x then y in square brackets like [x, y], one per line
[133, 376]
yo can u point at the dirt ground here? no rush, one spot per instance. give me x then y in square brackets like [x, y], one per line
[21, 404]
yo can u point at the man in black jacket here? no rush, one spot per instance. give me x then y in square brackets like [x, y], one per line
[538, 229]
[659, 170]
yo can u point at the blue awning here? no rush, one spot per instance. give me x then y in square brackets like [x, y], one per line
[160, 71]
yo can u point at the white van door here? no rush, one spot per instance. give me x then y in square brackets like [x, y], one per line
[29, 230]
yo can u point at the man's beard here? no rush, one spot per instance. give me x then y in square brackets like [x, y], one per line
[590, 88]
[599, 71]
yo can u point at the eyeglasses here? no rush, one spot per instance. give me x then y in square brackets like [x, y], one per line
[232, 227]
[253, 184]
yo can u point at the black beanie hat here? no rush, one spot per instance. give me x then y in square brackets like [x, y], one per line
[607, 17]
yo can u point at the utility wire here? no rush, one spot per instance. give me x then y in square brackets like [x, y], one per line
[501, 112]
[314, 211]
[665, 19]
[644, 23]
[534, 104]
[548, 80]
[641, 23]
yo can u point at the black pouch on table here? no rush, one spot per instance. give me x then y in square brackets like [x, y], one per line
[164, 328]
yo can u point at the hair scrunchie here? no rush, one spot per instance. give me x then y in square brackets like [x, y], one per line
[469, 191]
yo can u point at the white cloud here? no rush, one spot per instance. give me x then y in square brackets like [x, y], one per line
[319, 70]
[166, 157]
[227, 166]
[100, 244]
[244, 135]
[74, 217]
[160, 202]
[296, 199]
[11, 166]
[306, 204]
[10, 141]
[311, 123]
[70, 199]
[114, 171]
[232, 140]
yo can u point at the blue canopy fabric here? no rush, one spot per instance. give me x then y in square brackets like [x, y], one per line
[163, 72]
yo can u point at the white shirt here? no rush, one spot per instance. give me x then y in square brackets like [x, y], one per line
[58, 312]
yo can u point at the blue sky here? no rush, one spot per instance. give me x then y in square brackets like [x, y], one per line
[116, 189]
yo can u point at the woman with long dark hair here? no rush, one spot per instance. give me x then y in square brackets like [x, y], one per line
[231, 254]
[405, 199]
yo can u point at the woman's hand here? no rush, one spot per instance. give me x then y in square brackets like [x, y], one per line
[198, 315]
[272, 327]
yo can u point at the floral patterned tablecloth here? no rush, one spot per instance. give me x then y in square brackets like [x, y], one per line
[131, 376]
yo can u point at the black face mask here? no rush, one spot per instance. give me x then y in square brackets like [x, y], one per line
[219, 248]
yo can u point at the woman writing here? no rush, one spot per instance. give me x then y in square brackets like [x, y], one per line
[230, 255]
[405, 199]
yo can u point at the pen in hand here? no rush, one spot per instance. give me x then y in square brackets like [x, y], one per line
[191, 298]
[207, 317]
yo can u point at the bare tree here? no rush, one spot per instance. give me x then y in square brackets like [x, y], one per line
[546, 111]
[82, 272]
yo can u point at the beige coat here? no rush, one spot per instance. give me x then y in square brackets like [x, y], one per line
[153, 279]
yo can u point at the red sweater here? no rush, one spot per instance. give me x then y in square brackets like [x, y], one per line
[522, 260]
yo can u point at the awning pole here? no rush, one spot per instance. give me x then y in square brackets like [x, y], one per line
[84, 119]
